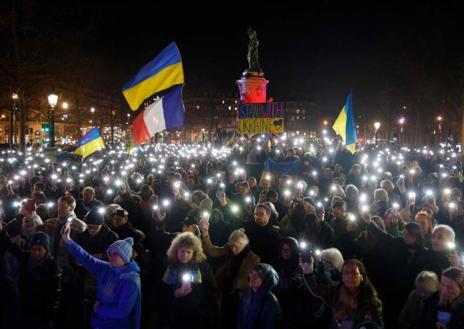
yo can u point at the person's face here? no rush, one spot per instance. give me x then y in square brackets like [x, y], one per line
[286, 252]
[64, 209]
[115, 260]
[236, 247]
[338, 212]
[309, 208]
[252, 182]
[38, 252]
[351, 277]
[118, 220]
[88, 195]
[94, 229]
[28, 224]
[36, 189]
[408, 238]
[424, 224]
[261, 217]
[439, 240]
[255, 281]
[184, 255]
[265, 184]
[242, 189]
[189, 182]
[450, 289]
[390, 219]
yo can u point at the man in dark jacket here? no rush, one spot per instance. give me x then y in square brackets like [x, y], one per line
[264, 237]
[259, 308]
[39, 282]
[88, 202]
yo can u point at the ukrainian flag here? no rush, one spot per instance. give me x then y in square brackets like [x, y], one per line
[345, 126]
[90, 143]
[163, 72]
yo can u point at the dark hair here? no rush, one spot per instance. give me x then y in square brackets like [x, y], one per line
[265, 207]
[274, 213]
[339, 205]
[366, 288]
[414, 229]
[40, 185]
[271, 194]
[146, 192]
[69, 200]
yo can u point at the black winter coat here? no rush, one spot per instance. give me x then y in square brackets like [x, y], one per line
[431, 310]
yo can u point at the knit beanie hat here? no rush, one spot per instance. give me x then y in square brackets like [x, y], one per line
[94, 216]
[206, 204]
[123, 248]
[41, 239]
[267, 273]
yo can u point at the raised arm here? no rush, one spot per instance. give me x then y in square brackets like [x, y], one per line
[210, 249]
[91, 264]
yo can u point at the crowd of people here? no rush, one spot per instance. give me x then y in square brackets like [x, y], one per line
[212, 236]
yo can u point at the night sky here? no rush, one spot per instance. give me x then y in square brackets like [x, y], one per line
[318, 53]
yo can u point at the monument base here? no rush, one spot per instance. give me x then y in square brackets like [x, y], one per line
[252, 87]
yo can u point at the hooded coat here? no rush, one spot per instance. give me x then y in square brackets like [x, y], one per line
[118, 291]
[432, 308]
[39, 283]
[261, 309]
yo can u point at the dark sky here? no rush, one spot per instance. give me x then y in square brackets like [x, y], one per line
[317, 53]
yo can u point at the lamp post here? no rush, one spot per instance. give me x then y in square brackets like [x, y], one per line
[15, 97]
[401, 121]
[52, 101]
[376, 127]
[439, 120]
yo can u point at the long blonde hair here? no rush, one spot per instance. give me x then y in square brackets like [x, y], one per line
[186, 240]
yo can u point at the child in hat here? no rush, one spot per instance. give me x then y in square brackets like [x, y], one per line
[118, 283]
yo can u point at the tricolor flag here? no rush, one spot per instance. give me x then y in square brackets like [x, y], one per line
[90, 143]
[163, 72]
[167, 112]
[345, 126]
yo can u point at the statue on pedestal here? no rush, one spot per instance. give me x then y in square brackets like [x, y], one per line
[253, 57]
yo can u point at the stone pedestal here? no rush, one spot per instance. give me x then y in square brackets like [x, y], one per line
[252, 87]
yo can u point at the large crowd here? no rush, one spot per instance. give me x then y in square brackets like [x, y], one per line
[260, 233]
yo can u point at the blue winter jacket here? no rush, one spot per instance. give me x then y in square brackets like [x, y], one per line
[261, 309]
[118, 291]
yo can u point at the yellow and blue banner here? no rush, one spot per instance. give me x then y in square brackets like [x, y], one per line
[90, 143]
[163, 72]
[258, 118]
[345, 126]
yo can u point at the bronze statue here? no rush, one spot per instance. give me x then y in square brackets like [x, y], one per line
[253, 58]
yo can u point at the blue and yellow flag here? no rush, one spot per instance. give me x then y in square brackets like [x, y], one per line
[345, 126]
[163, 72]
[90, 143]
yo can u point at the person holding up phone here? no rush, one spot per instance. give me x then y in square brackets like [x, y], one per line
[118, 283]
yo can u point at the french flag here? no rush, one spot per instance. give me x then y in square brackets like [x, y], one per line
[167, 112]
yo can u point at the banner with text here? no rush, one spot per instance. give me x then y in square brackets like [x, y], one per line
[261, 118]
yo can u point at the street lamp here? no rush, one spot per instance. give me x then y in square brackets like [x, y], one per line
[14, 97]
[440, 120]
[376, 126]
[92, 110]
[401, 121]
[65, 105]
[52, 101]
